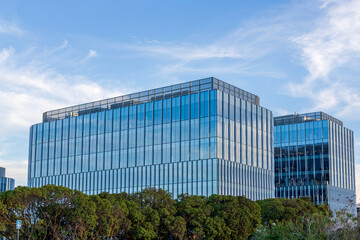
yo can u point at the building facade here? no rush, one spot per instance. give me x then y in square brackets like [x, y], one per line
[6, 183]
[314, 157]
[201, 137]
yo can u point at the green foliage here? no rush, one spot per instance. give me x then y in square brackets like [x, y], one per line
[277, 210]
[158, 208]
[280, 231]
[21, 204]
[241, 217]
[219, 217]
[195, 211]
[56, 212]
[252, 211]
[300, 219]
[312, 227]
[83, 217]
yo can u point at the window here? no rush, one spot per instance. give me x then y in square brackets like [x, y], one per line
[194, 109]
[185, 107]
[157, 112]
[149, 114]
[175, 109]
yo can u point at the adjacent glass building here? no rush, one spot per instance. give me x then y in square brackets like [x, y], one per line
[6, 183]
[314, 157]
[201, 137]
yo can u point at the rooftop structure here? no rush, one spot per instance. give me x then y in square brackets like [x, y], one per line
[305, 117]
[151, 95]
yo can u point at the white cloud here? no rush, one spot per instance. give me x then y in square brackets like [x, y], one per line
[64, 45]
[10, 28]
[17, 170]
[189, 52]
[27, 90]
[235, 52]
[334, 41]
[245, 50]
[91, 54]
[330, 51]
[331, 54]
[5, 54]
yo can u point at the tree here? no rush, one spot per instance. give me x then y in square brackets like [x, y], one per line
[195, 211]
[276, 210]
[300, 219]
[55, 209]
[158, 208]
[21, 204]
[56, 212]
[251, 211]
[240, 215]
[83, 218]
[316, 226]
[112, 215]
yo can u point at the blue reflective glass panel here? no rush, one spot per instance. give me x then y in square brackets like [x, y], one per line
[185, 107]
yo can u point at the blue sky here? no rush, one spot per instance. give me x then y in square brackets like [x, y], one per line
[298, 56]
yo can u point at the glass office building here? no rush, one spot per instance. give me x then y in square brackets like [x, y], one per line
[201, 137]
[6, 183]
[314, 157]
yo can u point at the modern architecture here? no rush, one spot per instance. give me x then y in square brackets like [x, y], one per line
[314, 157]
[6, 183]
[201, 137]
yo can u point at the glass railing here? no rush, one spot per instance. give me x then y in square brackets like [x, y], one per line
[149, 96]
[306, 117]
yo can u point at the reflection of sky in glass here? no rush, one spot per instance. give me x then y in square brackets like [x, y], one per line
[202, 143]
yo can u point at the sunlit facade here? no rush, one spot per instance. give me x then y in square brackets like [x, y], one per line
[314, 157]
[201, 137]
[6, 183]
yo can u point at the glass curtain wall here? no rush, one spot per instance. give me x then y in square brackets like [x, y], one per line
[165, 143]
[315, 159]
[202, 143]
[302, 160]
